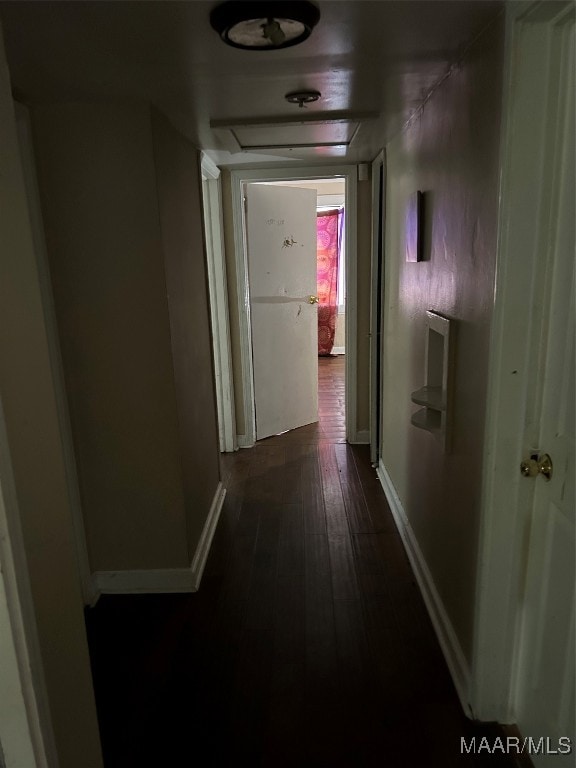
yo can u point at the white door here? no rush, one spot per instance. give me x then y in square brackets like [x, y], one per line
[546, 674]
[281, 234]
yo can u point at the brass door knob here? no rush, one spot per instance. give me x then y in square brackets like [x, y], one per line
[537, 465]
[313, 299]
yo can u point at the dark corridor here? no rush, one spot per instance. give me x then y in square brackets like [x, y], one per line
[308, 643]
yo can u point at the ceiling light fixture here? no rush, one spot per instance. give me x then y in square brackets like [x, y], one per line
[263, 25]
[302, 97]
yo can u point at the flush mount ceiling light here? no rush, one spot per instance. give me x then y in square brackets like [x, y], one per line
[302, 97]
[264, 25]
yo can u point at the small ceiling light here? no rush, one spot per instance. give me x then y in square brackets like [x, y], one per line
[263, 25]
[302, 97]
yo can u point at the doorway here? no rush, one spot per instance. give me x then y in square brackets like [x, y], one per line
[329, 313]
[347, 362]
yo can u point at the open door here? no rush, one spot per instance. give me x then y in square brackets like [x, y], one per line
[281, 235]
[524, 669]
[546, 673]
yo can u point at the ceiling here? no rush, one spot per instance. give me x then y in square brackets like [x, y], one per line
[374, 62]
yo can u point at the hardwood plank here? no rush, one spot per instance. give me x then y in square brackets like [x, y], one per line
[283, 746]
[290, 620]
[382, 519]
[359, 518]
[312, 499]
[317, 555]
[262, 591]
[368, 553]
[320, 636]
[237, 580]
[291, 549]
[359, 686]
[344, 582]
[266, 473]
[352, 643]
[249, 517]
[249, 705]
[292, 491]
[336, 520]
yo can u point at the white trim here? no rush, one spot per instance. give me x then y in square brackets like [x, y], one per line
[18, 612]
[203, 548]
[166, 580]
[26, 736]
[155, 580]
[338, 351]
[514, 332]
[37, 229]
[209, 168]
[329, 201]
[375, 331]
[238, 179]
[218, 292]
[455, 659]
[243, 306]
[362, 437]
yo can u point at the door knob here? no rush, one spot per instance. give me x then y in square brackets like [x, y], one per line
[537, 465]
[313, 299]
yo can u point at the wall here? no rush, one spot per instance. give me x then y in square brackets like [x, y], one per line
[98, 190]
[180, 206]
[340, 333]
[34, 450]
[451, 152]
[332, 187]
[364, 225]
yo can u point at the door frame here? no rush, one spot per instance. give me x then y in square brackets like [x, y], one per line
[527, 132]
[376, 298]
[293, 173]
[26, 736]
[218, 292]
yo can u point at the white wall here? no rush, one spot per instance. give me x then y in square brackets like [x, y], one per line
[180, 207]
[451, 152]
[120, 199]
[33, 444]
[120, 193]
[339, 335]
[97, 183]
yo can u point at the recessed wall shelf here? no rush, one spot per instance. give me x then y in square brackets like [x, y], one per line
[431, 397]
[435, 394]
[428, 419]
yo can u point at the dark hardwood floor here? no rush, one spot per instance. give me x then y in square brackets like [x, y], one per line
[308, 643]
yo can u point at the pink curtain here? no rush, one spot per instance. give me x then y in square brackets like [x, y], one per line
[328, 250]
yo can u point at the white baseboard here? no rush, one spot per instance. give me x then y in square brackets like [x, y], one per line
[144, 581]
[362, 437]
[455, 659]
[164, 580]
[203, 548]
[244, 441]
[338, 351]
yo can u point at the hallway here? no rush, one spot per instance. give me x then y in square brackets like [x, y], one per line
[308, 643]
